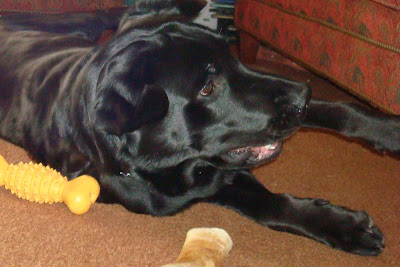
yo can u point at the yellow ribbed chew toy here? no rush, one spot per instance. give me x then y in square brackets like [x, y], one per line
[35, 182]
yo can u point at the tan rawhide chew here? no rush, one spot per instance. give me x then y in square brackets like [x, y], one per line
[204, 247]
[35, 182]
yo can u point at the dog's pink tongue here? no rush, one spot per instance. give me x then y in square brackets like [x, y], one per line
[265, 151]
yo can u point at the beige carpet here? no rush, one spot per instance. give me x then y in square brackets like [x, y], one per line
[313, 164]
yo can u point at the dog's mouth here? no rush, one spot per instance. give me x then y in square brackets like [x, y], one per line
[254, 155]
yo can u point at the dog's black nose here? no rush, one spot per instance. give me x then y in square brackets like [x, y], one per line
[300, 96]
[288, 118]
[294, 100]
[291, 108]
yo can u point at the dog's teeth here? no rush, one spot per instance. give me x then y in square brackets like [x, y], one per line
[271, 146]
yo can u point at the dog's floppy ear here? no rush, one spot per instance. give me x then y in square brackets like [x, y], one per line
[118, 115]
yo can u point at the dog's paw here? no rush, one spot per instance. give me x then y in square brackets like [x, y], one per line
[387, 137]
[354, 232]
[363, 237]
[335, 226]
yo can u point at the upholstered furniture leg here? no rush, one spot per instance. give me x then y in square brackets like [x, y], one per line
[248, 48]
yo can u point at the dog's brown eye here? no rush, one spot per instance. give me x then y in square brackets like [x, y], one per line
[207, 89]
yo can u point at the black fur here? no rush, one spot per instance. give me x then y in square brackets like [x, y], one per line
[163, 116]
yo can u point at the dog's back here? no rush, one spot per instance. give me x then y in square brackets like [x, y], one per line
[34, 70]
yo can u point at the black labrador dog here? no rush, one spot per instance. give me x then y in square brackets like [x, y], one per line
[164, 117]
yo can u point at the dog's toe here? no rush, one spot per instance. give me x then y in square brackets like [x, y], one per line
[368, 242]
[362, 236]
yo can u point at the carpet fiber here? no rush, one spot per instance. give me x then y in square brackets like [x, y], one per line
[312, 164]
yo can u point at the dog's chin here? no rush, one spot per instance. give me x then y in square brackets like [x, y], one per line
[253, 155]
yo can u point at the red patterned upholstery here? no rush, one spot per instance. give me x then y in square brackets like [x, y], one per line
[355, 43]
[390, 3]
[56, 6]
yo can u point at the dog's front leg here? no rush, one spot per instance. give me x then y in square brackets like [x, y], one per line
[338, 227]
[163, 191]
[378, 129]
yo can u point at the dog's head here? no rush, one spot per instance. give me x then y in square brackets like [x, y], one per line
[168, 93]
